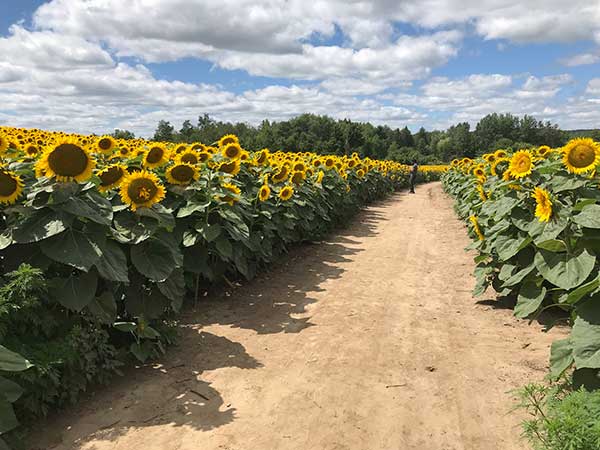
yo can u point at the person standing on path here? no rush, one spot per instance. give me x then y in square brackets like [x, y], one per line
[413, 176]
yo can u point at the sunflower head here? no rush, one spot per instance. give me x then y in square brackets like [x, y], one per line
[105, 145]
[4, 143]
[581, 155]
[204, 156]
[111, 177]
[198, 146]
[490, 157]
[481, 192]
[230, 167]
[286, 193]
[479, 171]
[543, 207]
[297, 177]
[264, 193]
[521, 164]
[156, 156]
[31, 150]
[320, 176]
[141, 189]
[11, 187]
[360, 173]
[329, 162]
[232, 195]
[476, 227]
[262, 156]
[543, 151]
[66, 160]
[228, 139]
[500, 153]
[499, 166]
[232, 151]
[280, 175]
[180, 148]
[182, 173]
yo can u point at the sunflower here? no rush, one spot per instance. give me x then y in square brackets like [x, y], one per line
[264, 192]
[317, 163]
[500, 153]
[204, 156]
[232, 151]
[141, 189]
[228, 139]
[286, 193]
[262, 156]
[182, 173]
[543, 151]
[31, 150]
[66, 160]
[105, 145]
[231, 167]
[297, 177]
[111, 177]
[180, 148]
[360, 173]
[490, 157]
[481, 193]
[329, 162]
[299, 167]
[189, 156]
[156, 156]
[281, 175]
[320, 176]
[4, 143]
[233, 189]
[475, 224]
[11, 187]
[543, 207]
[521, 164]
[581, 155]
[479, 171]
[198, 146]
[499, 166]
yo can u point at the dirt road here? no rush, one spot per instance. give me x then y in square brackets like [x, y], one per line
[369, 341]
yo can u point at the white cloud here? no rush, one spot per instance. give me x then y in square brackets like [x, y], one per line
[581, 60]
[593, 86]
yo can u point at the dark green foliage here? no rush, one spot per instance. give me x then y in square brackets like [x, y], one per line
[561, 419]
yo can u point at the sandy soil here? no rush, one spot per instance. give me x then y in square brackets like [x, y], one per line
[369, 341]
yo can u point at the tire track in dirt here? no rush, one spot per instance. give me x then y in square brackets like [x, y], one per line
[369, 341]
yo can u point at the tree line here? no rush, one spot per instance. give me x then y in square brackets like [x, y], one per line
[323, 134]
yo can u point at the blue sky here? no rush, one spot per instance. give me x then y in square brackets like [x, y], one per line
[94, 65]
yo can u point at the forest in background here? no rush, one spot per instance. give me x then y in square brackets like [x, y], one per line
[323, 134]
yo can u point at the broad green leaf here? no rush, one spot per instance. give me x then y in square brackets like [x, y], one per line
[562, 183]
[10, 390]
[12, 362]
[5, 239]
[140, 303]
[561, 357]
[195, 260]
[529, 300]
[519, 276]
[8, 420]
[74, 248]
[174, 287]
[509, 246]
[224, 248]
[125, 327]
[77, 291]
[104, 308]
[159, 213]
[112, 263]
[92, 206]
[506, 271]
[582, 203]
[4, 445]
[589, 217]
[583, 290]
[544, 231]
[586, 335]
[210, 232]
[564, 270]
[130, 228]
[191, 207]
[39, 225]
[153, 259]
[587, 378]
[553, 245]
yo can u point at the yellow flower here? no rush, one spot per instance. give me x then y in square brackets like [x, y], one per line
[4, 143]
[182, 173]
[500, 153]
[264, 193]
[141, 189]
[231, 167]
[229, 198]
[66, 160]
[111, 177]
[228, 139]
[479, 171]
[180, 148]
[156, 156]
[544, 151]
[320, 176]
[521, 164]
[11, 187]
[543, 208]
[281, 175]
[262, 156]
[499, 166]
[297, 177]
[360, 173]
[476, 228]
[581, 155]
[286, 193]
[329, 162]
[105, 145]
[31, 150]
[189, 156]
[481, 192]
[232, 151]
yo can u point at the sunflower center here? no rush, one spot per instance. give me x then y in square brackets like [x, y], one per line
[231, 151]
[141, 190]
[182, 173]
[111, 175]
[154, 155]
[8, 185]
[523, 164]
[68, 160]
[582, 156]
[104, 143]
[189, 158]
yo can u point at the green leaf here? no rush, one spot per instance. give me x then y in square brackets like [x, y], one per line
[589, 217]
[12, 362]
[583, 290]
[112, 264]
[561, 357]
[158, 212]
[191, 207]
[519, 276]
[132, 229]
[553, 245]
[561, 183]
[5, 239]
[506, 271]
[210, 232]
[10, 390]
[141, 351]
[92, 206]
[76, 291]
[153, 259]
[529, 300]
[544, 231]
[582, 203]
[8, 420]
[39, 225]
[585, 335]
[586, 378]
[174, 288]
[125, 327]
[224, 248]
[104, 308]
[508, 246]
[564, 270]
[74, 248]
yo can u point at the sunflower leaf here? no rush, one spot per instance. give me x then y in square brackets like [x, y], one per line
[589, 217]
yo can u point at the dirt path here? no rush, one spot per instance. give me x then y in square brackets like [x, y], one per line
[370, 341]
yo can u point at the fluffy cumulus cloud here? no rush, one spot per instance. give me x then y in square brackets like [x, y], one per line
[83, 64]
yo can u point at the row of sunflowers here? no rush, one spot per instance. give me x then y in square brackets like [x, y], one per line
[535, 218]
[121, 231]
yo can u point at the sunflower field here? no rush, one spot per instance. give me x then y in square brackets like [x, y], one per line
[535, 218]
[101, 240]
